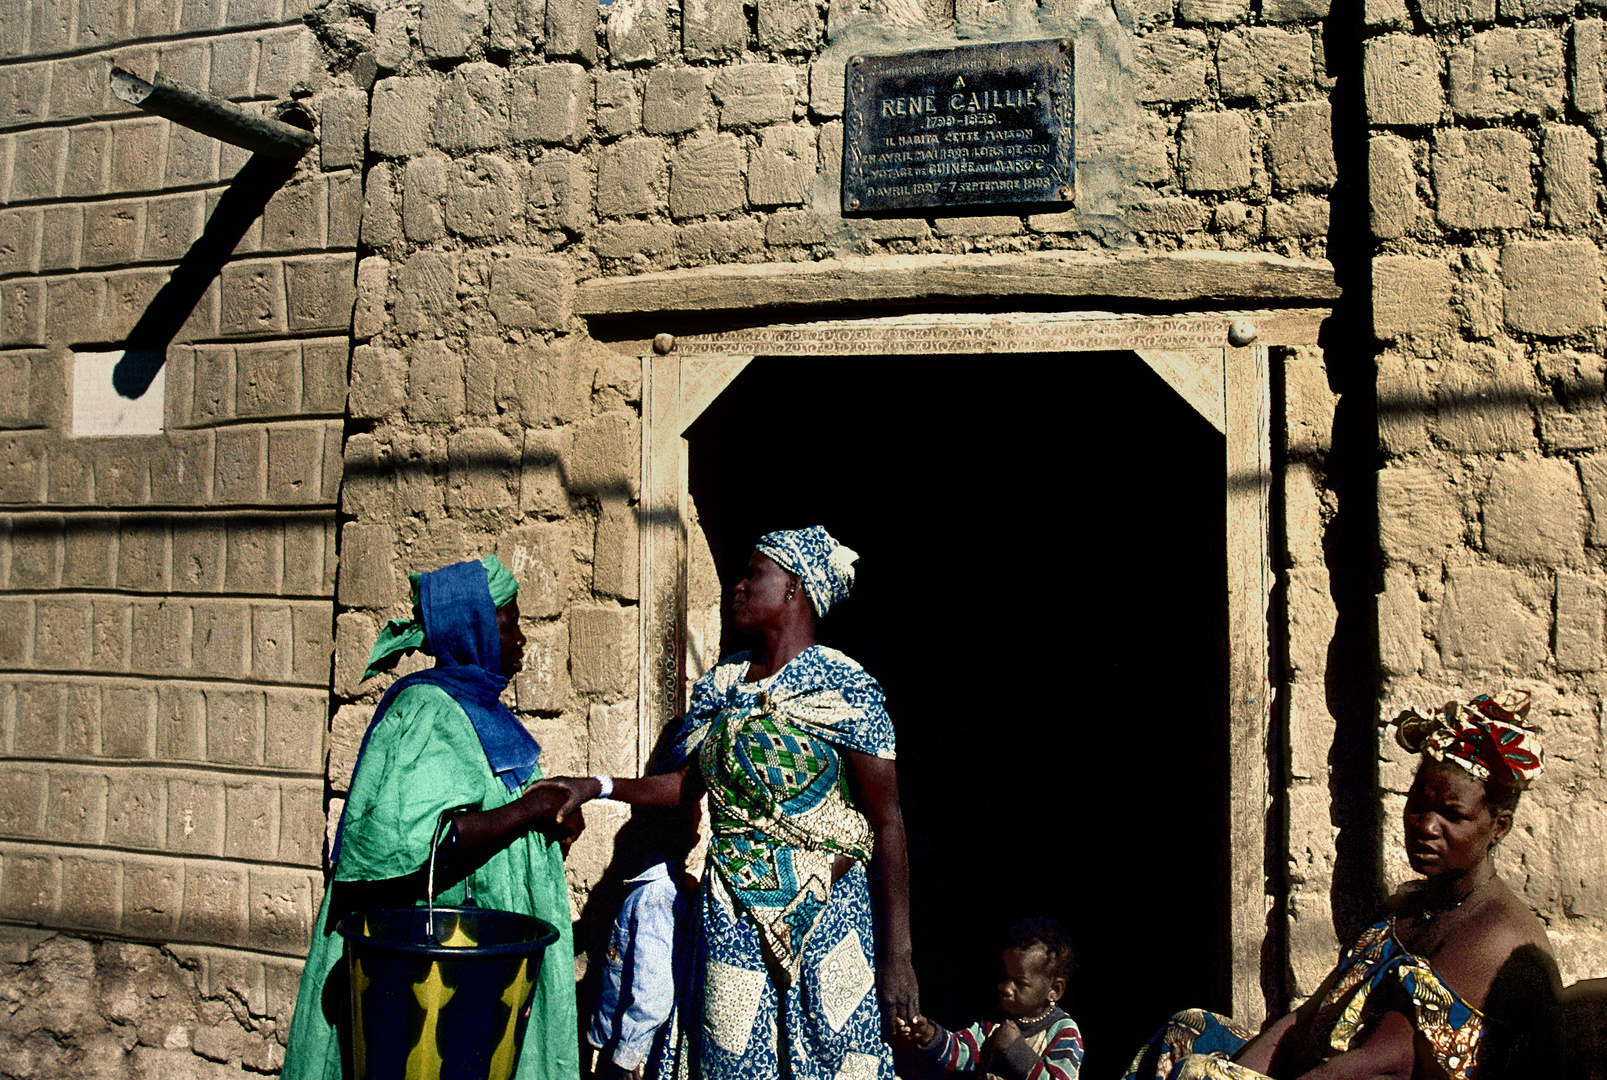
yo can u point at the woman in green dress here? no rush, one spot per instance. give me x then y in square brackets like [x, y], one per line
[441, 739]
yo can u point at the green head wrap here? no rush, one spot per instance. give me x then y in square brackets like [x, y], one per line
[404, 635]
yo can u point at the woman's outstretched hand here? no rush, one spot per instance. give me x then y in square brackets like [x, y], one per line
[577, 790]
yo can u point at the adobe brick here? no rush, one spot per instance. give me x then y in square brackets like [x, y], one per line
[272, 644]
[1215, 153]
[137, 154]
[1172, 66]
[1263, 64]
[80, 720]
[234, 723]
[1457, 12]
[75, 91]
[320, 292]
[713, 29]
[1175, 216]
[251, 821]
[301, 823]
[240, 455]
[22, 801]
[1534, 513]
[484, 356]
[788, 25]
[516, 25]
[427, 291]
[214, 384]
[435, 388]
[602, 650]
[1411, 296]
[675, 100]
[482, 198]
[540, 557]
[180, 722]
[706, 177]
[543, 684]
[61, 633]
[355, 634]
[781, 167]
[329, 487]
[295, 218]
[618, 110]
[793, 227]
[297, 719]
[572, 31]
[1553, 287]
[368, 575]
[267, 379]
[62, 242]
[1213, 11]
[560, 195]
[1587, 72]
[345, 209]
[480, 462]
[76, 806]
[31, 885]
[399, 123]
[16, 632]
[378, 385]
[253, 298]
[449, 29]
[304, 542]
[1507, 72]
[153, 896]
[722, 240]
[19, 240]
[636, 31]
[1481, 179]
[369, 314]
[1300, 149]
[382, 219]
[631, 177]
[89, 161]
[20, 472]
[129, 296]
[36, 547]
[286, 57]
[222, 639]
[195, 815]
[1401, 80]
[532, 291]
[74, 304]
[230, 65]
[214, 904]
[1581, 611]
[282, 907]
[752, 95]
[92, 892]
[109, 633]
[24, 93]
[128, 721]
[198, 554]
[255, 554]
[342, 128]
[1569, 184]
[1392, 186]
[141, 555]
[471, 112]
[39, 724]
[159, 640]
[136, 810]
[1493, 620]
[88, 558]
[22, 313]
[1419, 518]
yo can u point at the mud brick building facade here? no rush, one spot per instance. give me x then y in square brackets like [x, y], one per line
[557, 273]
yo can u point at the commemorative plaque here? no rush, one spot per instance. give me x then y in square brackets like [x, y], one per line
[979, 124]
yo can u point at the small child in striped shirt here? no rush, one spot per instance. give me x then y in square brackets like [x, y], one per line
[1033, 1038]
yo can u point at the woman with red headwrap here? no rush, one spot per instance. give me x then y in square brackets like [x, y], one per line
[1408, 996]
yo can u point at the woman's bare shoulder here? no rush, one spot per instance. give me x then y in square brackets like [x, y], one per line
[1511, 922]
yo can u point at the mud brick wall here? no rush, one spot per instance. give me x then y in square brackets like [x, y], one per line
[1486, 183]
[166, 600]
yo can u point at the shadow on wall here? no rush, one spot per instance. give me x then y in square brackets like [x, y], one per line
[240, 204]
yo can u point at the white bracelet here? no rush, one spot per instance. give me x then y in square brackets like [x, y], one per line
[606, 783]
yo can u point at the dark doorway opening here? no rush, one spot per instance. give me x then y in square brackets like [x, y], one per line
[1042, 593]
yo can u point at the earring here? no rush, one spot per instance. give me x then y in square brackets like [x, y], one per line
[790, 593]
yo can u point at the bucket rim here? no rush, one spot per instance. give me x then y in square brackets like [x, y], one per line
[347, 928]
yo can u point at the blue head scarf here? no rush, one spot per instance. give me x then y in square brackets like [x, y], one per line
[459, 627]
[825, 567]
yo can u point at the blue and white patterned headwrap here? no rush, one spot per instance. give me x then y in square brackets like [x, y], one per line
[825, 567]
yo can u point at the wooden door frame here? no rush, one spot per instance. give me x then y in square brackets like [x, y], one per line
[1228, 385]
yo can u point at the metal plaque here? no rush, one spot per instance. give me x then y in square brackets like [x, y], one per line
[989, 124]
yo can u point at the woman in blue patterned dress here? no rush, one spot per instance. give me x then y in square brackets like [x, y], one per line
[795, 749]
